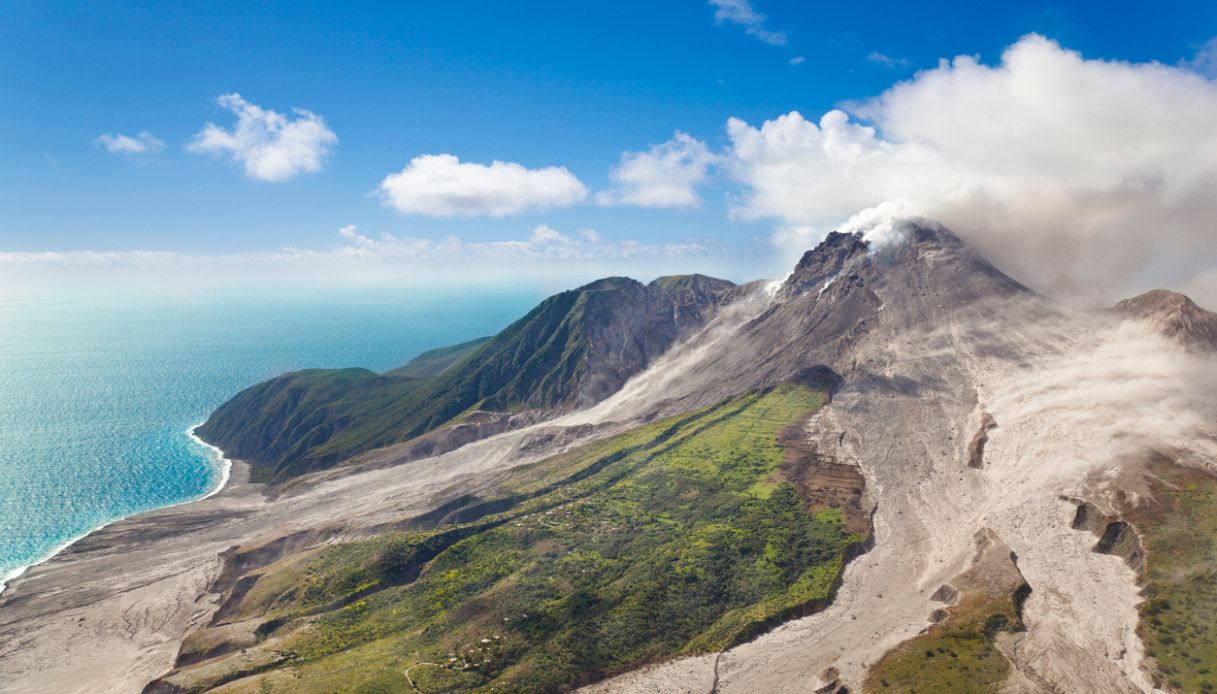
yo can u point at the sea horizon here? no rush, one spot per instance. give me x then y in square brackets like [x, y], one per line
[125, 444]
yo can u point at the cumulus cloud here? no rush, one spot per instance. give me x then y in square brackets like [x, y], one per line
[797, 60]
[666, 175]
[1074, 175]
[742, 13]
[441, 185]
[268, 145]
[117, 143]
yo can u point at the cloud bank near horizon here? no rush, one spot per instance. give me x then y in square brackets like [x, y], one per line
[1081, 177]
[545, 257]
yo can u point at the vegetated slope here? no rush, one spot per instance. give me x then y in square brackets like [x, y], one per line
[686, 535]
[1177, 527]
[1174, 315]
[572, 350]
[434, 362]
[960, 653]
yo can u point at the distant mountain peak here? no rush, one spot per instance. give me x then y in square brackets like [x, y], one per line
[1174, 315]
[1157, 300]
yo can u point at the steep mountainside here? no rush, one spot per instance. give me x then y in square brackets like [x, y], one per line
[842, 298]
[691, 464]
[1175, 316]
[572, 350]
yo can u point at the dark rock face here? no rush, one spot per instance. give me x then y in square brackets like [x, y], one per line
[1176, 316]
[571, 351]
[1116, 535]
[976, 447]
[617, 327]
[849, 296]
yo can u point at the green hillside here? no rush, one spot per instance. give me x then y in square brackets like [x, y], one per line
[575, 348]
[682, 536]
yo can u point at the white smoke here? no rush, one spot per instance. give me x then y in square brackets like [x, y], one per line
[1087, 178]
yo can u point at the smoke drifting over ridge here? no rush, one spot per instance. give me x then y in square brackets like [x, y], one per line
[1087, 178]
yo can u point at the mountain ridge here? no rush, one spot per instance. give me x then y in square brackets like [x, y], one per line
[973, 416]
[573, 349]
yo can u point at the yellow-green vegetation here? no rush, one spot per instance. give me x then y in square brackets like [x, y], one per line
[681, 536]
[1179, 616]
[957, 656]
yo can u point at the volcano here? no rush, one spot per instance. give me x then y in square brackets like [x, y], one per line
[896, 469]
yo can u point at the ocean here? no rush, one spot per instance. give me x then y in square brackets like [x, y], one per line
[97, 395]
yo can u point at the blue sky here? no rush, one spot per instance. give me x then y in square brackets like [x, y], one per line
[543, 84]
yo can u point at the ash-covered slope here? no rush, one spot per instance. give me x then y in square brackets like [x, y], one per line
[572, 350]
[845, 296]
[973, 407]
[1174, 315]
[980, 415]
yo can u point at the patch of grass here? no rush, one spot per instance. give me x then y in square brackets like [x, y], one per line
[652, 544]
[957, 656]
[1179, 616]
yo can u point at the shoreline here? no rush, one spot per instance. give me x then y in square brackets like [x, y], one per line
[213, 452]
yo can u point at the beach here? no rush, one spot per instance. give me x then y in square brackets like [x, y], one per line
[108, 614]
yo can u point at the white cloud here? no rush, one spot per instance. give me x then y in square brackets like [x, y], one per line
[117, 143]
[440, 185]
[1074, 175]
[541, 257]
[666, 175]
[542, 243]
[268, 145]
[794, 239]
[545, 255]
[90, 258]
[886, 60]
[797, 60]
[742, 12]
[1205, 60]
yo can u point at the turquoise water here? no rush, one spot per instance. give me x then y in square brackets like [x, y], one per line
[97, 396]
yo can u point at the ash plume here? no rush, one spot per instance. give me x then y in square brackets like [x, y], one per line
[1090, 179]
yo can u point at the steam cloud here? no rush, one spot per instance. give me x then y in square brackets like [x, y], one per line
[1086, 178]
